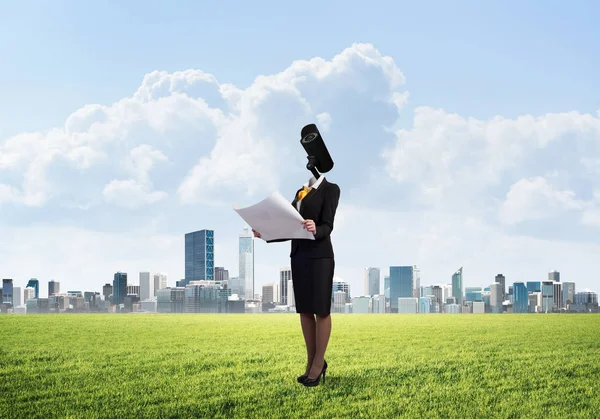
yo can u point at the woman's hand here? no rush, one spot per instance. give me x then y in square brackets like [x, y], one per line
[310, 226]
[256, 233]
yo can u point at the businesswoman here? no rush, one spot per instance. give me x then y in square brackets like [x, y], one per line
[313, 264]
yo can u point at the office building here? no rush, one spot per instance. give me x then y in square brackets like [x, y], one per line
[267, 293]
[107, 292]
[146, 290]
[558, 296]
[386, 286]
[496, 297]
[341, 285]
[547, 296]
[473, 294]
[534, 286]
[339, 301]
[28, 294]
[133, 289]
[500, 279]
[457, 286]
[7, 291]
[246, 256]
[425, 304]
[291, 299]
[285, 276]
[401, 285]
[17, 297]
[221, 274]
[521, 298]
[361, 305]
[568, 293]
[378, 304]
[372, 281]
[236, 285]
[199, 256]
[170, 300]
[159, 283]
[408, 305]
[453, 308]
[554, 276]
[119, 288]
[204, 297]
[416, 282]
[35, 284]
[478, 307]
[53, 288]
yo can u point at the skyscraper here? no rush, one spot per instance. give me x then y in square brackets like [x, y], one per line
[247, 262]
[521, 298]
[17, 300]
[146, 290]
[496, 297]
[401, 285]
[457, 285]
[199, 256]
[568, 292]
[107, 291]
[221, 274]
[160, 282]
[416, 282]
[7, 291]
[372, 281]
[500, 279]
[554, 276]
[53, 287]
[119, 288]
[35, 284]
[285, 275]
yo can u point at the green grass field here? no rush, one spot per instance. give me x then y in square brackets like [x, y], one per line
[246, 366]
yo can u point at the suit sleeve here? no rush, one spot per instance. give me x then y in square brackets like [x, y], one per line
[330, 205]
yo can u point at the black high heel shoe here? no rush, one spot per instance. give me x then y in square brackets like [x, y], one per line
[308, 382]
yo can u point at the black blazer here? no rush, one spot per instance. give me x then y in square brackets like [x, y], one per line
[320, 206]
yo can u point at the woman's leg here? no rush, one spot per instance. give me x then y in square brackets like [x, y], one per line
[309, 327]
[323, 333]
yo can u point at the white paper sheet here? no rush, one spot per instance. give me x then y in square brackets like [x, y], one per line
[275, 218]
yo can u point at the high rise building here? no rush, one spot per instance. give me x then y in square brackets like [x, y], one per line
[17, 297]
[28, 294]
[416, 283]
[107, 291]
[554, 276]
[341, 285]
[35, 284]
[547, 296]
[236, 285]
[267, 293]
[221, 274]
[409, 305]
[500, 279]
[146, 289]
[291, 297]
[568, 293]
[558, 300]
[7, 291]
[473, 294]
[372, 281]
[246, 254]
[521, 298]
[119, 288]
[199, 256]
[386, 286]
[496, 297]
[534, 286]
[285, 275]
[457, 286]
[401, 285]
[160, 282]
[53, 288]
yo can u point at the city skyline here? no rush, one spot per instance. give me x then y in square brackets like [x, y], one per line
[481, 150]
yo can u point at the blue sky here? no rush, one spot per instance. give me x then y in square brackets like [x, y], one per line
[474, 60]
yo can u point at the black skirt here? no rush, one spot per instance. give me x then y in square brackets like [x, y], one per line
[313, 283]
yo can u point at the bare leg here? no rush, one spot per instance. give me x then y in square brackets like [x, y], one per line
[309, 327]
[323, 333]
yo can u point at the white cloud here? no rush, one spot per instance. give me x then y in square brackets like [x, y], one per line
[186, 137]
[536, 199]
